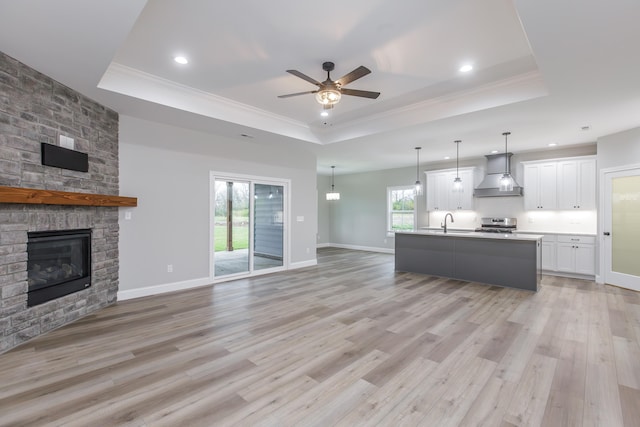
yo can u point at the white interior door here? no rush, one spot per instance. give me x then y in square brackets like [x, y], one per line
[621, 228]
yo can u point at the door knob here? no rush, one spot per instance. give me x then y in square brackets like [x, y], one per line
[606, 233]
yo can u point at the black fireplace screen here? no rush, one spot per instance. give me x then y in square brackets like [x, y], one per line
[58, 263]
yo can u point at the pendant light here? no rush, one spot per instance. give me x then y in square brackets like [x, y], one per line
[506, 182]
[457, 182]
[418, 184]
[333, 195]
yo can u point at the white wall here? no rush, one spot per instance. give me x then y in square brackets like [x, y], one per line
[359, 218]
[619, 149]
[167, 168]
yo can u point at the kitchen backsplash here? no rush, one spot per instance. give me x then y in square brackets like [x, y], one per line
[541, 221]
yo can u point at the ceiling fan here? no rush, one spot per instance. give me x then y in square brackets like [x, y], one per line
[330, 91]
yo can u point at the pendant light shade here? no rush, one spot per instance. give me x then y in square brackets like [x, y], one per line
[418, 184]
[457, 182]
[333, 194]
[506, 182]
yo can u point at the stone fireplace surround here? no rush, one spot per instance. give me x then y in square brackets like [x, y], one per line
[34, 109]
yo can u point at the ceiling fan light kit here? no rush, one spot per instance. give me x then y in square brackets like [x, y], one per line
[328, 97]
[330, 91]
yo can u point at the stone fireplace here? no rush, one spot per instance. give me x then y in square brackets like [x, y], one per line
[36, 109]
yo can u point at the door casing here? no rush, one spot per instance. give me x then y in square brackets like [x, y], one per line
[252, 179]
[604, 264]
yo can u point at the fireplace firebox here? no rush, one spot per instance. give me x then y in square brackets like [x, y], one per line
[58, 264]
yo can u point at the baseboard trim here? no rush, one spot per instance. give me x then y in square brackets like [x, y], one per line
[569, 275]
[193, 283]
[362, 248]
[303, 264]
[162, 289]
[323, 245]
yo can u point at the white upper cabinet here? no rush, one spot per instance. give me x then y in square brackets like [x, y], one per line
[437, 191]
[440, 193]
[540, 182]
[577, 184]
[562, 184]
[463, 199]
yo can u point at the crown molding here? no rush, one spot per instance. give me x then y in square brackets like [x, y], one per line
[129, 81]
[523, 87]
[132, 82]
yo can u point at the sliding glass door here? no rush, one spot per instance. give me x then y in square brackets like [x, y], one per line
[248, 226]
[231, 227]
[268, 222]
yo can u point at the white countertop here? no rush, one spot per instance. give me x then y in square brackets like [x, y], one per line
[540, 232]
[559, 233]
[474, 234]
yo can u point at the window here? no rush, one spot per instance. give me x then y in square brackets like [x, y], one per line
[401, 208]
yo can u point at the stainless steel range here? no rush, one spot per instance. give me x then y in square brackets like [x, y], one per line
[498, 225]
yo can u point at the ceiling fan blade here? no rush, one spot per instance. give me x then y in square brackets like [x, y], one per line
[296, 94]
[362, 93]
[354, 75]
[304, 77]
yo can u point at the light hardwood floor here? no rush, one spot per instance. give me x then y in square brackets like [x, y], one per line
[349, 342]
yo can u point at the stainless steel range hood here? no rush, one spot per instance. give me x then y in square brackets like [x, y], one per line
[490, 185]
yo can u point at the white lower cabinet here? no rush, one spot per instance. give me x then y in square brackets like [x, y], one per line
[576, 254]
[572, 254]
[566, 257]
[549, 252]
[586, 260]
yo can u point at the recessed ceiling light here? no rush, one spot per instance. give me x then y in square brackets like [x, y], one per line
[181, 60]
[447, 157]
[585, 127]
[324, 113]
[466, 68]
[246, 135]
[494, 151]
[552, 144]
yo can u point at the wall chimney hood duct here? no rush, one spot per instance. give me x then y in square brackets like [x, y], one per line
[490, 185]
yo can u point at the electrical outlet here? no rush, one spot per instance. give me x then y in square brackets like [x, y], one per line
[384, 240]
[127, 215]
[169, 268]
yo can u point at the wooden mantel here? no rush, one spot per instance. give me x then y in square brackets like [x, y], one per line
[52, 197]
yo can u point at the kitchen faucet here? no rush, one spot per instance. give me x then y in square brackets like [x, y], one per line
[445, 221]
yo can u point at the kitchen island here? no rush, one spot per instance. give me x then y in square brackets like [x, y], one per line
[509, 260]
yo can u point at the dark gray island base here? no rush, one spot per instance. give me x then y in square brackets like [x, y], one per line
[512, 261]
